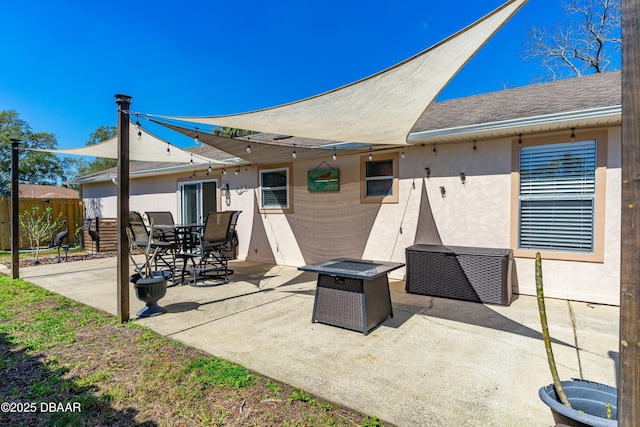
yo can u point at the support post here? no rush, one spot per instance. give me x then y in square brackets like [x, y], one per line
[123, 102]
[629, 375]
[15, 210]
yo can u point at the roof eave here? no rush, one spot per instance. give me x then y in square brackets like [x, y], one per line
[601, 116]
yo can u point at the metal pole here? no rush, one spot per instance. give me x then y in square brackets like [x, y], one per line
[123, 102]
[15, 211]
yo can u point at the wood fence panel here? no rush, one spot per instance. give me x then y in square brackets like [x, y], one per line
[70, 209]
[107, 235]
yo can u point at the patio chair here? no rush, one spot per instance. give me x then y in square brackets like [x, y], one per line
[213, 241]
[160, 252]
[162, 218]
[231, 248]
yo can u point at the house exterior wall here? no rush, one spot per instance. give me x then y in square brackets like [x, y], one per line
[322, 225]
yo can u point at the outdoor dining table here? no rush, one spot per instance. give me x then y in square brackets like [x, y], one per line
[186, 237]
[351, 293]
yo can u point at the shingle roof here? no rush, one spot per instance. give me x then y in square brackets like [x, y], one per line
[597, 90]
[46, 192]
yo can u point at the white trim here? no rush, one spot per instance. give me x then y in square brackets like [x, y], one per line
[564, 120]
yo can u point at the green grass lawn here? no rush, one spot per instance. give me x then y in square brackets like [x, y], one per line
[66, 364]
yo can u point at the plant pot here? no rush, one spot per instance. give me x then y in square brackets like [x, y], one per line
[150, 290]
[588, 400]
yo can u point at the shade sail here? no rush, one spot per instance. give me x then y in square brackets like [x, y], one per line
[146, 147]
[264, 153]
[380, 109]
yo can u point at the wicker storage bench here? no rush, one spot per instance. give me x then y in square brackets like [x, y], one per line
[466, 273]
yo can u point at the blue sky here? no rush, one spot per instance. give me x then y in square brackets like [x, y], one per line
[64, 61]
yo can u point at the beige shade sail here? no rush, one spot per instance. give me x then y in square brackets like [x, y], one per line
[262, 153]
[380, 109]
[143, 147]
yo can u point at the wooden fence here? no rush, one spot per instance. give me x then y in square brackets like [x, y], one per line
[71, 210]
[107, 230]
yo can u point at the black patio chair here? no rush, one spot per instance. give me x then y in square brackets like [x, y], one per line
[214, 239]
[160, 251]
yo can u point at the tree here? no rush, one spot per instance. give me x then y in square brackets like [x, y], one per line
[86, 167]
[36, 167]
[228, 132]
[584, 43]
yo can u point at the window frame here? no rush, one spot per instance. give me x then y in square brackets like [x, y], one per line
[364, 160]
[599, 196]
[288, 188]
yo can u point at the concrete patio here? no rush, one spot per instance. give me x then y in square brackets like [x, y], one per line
[437, 362]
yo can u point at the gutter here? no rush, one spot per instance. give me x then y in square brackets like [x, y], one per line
[151, 172]
[614, 113]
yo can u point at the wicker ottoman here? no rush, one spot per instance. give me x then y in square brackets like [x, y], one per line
[466, 273]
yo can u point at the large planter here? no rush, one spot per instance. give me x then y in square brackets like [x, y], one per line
[150, 290]
[588, 404]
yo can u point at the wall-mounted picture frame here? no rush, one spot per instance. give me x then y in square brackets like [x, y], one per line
[323, 180]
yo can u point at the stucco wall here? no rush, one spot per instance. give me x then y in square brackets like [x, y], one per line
[336, 224]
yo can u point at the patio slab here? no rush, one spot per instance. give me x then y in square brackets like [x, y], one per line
[437, 362]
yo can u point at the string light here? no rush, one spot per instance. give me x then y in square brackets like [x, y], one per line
[139, 131]
[196, 139]
[370, 154]
[248, 147]
[434, 148]
[294, 155]
[191, 160]
[402, 153]
[237, 170]
[168, 149]
[573, 134]
[209, 169]
[334, 153]
[224, 171]
[474, 144]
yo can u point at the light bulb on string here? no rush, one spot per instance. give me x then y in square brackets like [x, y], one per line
[294, 155]
[168, 149]
[209, 168]
[196, 139]
[237, 170]
[138, 128]
[248, 147]
[370, 154]
[402, 153]
[335, 156]
[191, 159]
[224, 171]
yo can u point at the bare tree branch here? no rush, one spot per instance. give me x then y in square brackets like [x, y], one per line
[583, 43]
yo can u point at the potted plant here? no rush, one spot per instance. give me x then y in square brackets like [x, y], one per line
[576, 403]
[150, 284]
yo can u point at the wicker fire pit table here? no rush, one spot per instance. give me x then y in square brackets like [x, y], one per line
[351, 293]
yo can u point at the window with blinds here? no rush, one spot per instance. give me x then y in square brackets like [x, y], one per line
[274, 184]
[557, 196]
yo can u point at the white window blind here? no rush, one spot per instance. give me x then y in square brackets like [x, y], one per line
[274, 189]
[557, 196]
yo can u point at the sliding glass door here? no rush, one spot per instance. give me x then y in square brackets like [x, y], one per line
[197, 199]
